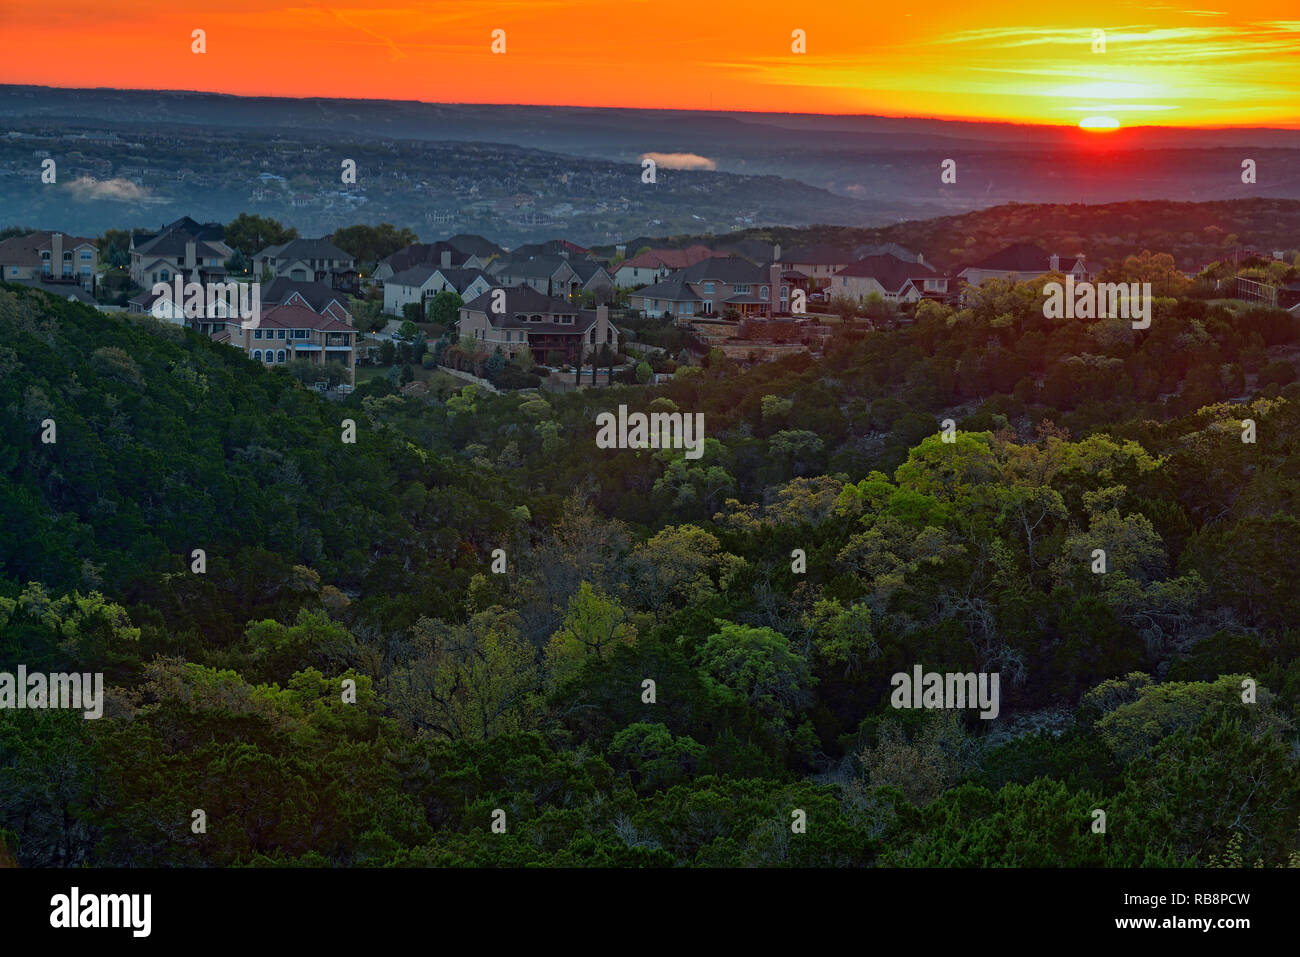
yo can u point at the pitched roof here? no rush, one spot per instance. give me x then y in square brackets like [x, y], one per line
[526, 301]
[1023, 257]
[64, 290]
[173, 242]
[728, 269]
[669, 258]
[891, 272]
[886, 249]
[538, 267]
[26, 250]
[672, 288]
[294, 316]
[552, 247]
[318, 294]
[587, 269]
[420, 254]
[305, 249]
[458, 279]
[473, 245]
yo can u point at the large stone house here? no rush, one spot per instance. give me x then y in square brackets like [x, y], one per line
[49, 257]
[309, 260]
[1022, 262]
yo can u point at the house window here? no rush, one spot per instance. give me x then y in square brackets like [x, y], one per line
[708, 305]
[763, 293]
[279, 356]
[67, 257]
[165, 275]
[257, 355]
[742, 289]
[280, 334]
[708, 287]
[85, 255]
[257, 333]
[785, 293]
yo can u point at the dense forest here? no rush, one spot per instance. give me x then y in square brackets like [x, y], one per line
[614, 655]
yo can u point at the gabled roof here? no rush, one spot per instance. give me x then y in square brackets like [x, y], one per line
[317, 294]
[886, 249]
[172, 244]
[728, 269]
[305, 249]
[1023, 257]
[421, 254]
[672, 288]
[474, 245]
[891, 272]
[458, 279]
[26, 250]
[538, 267]
[294, 316]
[526, 301]
[587, 269]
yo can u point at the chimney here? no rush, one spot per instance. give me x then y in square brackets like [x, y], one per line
[191, 249]
[602, 324]
[446, 259]
[774, 293]
[1054, 263]
[56, 255]
[776, 252]
[920, 257]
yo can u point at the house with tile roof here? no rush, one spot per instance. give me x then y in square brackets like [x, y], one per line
[1022, 262]
[545, 325]
[654, 264]
[50, 258]
[316, 296]
[472, 244]
[291, 331]
[891, 278]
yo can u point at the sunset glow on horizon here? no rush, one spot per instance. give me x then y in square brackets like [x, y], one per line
[1008, 60]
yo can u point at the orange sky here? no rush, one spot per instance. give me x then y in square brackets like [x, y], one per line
[1234, 63]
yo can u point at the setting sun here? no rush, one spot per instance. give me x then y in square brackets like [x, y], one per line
[1099, 123]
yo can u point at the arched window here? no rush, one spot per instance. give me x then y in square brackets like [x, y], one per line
[279, 356]
[257, 355]
[762, 293]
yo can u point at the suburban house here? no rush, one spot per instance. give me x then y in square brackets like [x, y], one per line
[422, 283]
[316, 296]
[49, 257]
[549, 275]
[819, 263]
[893, 279]
[717, 285]
[1022, 262]
[540, 323]
[193, 250]
[655, 264]
[425, 254]
[305, 259]
[593, 278]
[291, 331]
